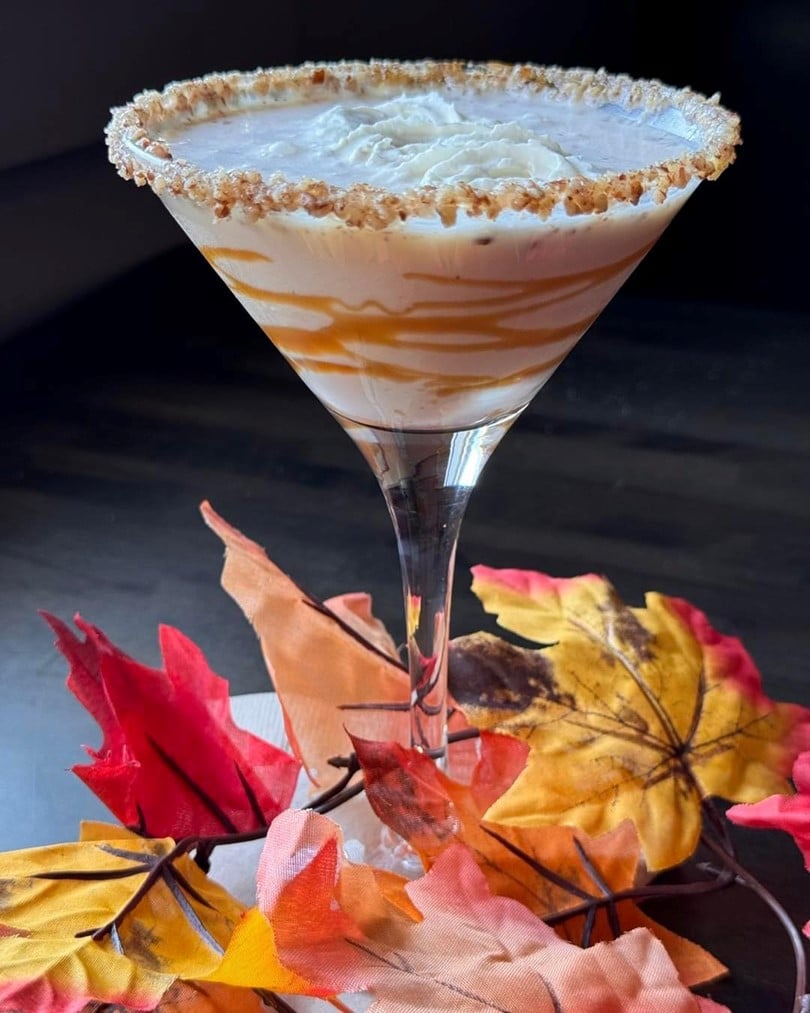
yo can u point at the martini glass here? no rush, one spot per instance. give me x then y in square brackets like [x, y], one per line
[424, 319]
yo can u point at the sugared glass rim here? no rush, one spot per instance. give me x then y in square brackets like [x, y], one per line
[139, 153]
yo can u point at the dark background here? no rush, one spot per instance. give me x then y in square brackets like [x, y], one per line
[68, 225]
[672, 450]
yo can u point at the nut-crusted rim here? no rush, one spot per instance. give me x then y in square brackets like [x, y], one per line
[139, 153]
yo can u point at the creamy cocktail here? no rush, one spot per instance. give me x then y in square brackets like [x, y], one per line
[424, 243]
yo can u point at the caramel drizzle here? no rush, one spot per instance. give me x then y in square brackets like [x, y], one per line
[354, 332]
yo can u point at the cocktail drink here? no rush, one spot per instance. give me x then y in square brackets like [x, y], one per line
[424, 243]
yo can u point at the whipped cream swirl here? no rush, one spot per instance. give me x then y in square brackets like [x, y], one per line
[424, 139]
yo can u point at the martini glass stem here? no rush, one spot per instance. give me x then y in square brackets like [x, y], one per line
[427, 518]
[427, 478]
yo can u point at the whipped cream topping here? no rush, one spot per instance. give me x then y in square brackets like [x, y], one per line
[425, 139]
[431, 138]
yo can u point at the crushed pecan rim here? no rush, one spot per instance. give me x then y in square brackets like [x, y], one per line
[138, 152]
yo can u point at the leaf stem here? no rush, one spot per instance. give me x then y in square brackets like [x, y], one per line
[275, 1002]
[540, 869]
[156, 872]
[91, 874]
[590, 904]
[196, 789]
[722, 879]
[713, 816]
[744, 878]
[596, 876]
[334, 801]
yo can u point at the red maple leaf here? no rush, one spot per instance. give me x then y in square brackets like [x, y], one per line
[790, 813]
[172, 762]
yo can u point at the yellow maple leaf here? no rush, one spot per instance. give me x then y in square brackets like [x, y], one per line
[630, 713]
[53, 899]
[251, 959]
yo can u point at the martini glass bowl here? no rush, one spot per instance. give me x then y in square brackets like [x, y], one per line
[424, 319]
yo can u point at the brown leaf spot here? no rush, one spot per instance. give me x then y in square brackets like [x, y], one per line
[630, 716]
[140, 943]
[6, 892]
[632, 634]
[485, 671]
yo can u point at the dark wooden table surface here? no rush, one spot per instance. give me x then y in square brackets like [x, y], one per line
[671, 452]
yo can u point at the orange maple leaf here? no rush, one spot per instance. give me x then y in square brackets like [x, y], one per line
[208, 997]
[554, 871]
[332, 663]
[466, 950]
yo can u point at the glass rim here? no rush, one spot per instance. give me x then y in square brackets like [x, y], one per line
[139, 153]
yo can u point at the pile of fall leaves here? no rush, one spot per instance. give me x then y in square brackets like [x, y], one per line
[579, 770]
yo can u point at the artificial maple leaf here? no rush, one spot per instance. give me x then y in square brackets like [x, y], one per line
[172, 762]
[333, 668]
[790, 813]
[251, 960]
[724, 657]
[209, 997]
[355, 610]
[433, 812]
[63, 975]
[54, 899]
[628, 714]
[468, 950]
[318, 662]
